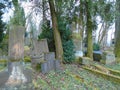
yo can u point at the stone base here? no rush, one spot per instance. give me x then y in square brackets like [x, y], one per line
[86, 61]
[16, 75]
[8, 83]
[108, 58]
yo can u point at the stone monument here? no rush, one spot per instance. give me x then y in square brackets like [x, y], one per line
[16, 56]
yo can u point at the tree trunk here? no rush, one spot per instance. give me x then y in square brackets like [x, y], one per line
[89, 31]
[57, 38]
[117, 31]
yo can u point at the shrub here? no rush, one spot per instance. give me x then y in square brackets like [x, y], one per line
[68, 46]
[47, 33]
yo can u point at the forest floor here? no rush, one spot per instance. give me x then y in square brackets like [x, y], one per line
[73, 77]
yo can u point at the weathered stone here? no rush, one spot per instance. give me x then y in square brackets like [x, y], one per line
[78, 44]
[86, 61]
[44, 68]
[49, 56]
[57, 64]
[26, 51]
[16, 43]
[108, 58]
[50, 64]
[37, 60]
[16, 55]
[39, 47]
[16, 75]
[97, 55]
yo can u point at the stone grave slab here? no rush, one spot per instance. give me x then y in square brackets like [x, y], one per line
[49, 56]
[86, 61]
[44, 68]
[108, 58]
[57, 64]
[97, 55]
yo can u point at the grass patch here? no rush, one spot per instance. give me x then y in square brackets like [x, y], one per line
[114, 66]
[74, 78]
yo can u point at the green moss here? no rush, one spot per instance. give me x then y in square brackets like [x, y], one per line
[115, 72]
[110, 77]
[102, 61]
[3, 61]
[27, 59]
[76, 36]
[114, 66]
[118, 60]
[78, 60]
[38, 67]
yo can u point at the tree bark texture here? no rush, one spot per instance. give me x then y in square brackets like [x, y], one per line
[57, 38]
[117, 31]
[89, 31]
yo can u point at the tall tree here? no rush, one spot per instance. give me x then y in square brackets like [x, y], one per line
[89, 29]
[57, 37]
[117, 31]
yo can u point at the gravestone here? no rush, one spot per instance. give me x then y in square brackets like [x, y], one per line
[85, 60]
[44, 68]
[37, 54]
[49, 56]
[35, 60]
[78, 44]
[41, 56]
[16, 55]
[57, 64]
[16, 43]
[39, 47]
[108, 57]
[97, 55]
